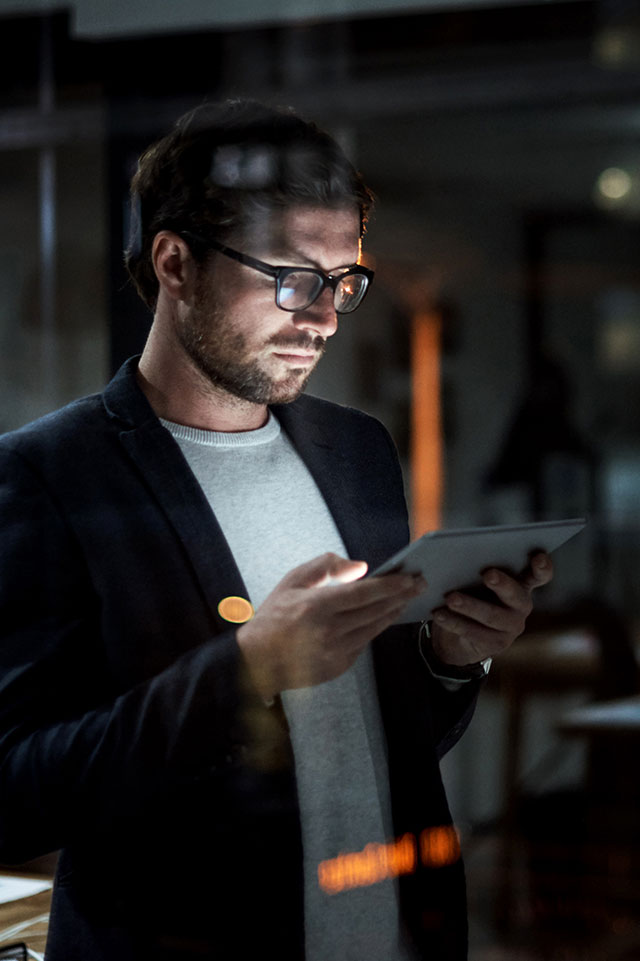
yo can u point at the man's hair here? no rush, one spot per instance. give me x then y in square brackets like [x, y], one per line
[224, 163]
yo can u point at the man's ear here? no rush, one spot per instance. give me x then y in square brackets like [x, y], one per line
[174, 265]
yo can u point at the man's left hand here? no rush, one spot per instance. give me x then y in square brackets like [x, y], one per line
[468, 630]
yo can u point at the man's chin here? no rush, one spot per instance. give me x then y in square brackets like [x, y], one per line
[290, 388]
[258, 386]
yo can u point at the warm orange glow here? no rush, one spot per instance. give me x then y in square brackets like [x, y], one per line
[426, 427]
[375, 863]
[236, 610]
[439, 846]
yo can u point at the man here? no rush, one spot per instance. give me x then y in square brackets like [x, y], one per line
[203, 701]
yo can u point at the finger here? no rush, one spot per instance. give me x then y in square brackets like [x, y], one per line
[360, 632]
[509, 590]
[364, 593]
[463, 611]
[540, 571]
[345, 575]
[320, 569]
[369, 616]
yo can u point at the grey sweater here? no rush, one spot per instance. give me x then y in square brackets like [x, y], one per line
[274, 518]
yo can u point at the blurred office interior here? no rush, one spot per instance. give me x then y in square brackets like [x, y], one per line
[500, 344]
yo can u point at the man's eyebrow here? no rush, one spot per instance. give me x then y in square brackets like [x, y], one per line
[285, 254]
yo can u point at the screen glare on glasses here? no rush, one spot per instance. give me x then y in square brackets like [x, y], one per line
[297, 289]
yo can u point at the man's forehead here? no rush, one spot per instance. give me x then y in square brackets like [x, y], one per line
[300, 230]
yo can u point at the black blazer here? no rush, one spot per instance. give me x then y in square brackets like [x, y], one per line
[130, 737]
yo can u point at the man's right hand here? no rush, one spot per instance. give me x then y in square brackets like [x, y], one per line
[318, 619]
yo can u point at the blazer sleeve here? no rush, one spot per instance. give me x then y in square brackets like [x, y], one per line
[73, 751]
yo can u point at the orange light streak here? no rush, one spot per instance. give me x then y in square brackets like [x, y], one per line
[426, 423]
[376, 862]
[437, 847]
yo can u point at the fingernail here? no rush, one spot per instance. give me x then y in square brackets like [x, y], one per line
[440, 617]
[493, 578]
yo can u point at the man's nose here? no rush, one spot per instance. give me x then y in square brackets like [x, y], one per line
[320, 317]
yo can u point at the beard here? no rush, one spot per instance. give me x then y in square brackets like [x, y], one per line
[224, 359]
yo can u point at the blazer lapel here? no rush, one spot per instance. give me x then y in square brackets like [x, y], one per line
[165, 471]
[314, 442]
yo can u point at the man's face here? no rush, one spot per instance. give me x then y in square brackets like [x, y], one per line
[238, 338]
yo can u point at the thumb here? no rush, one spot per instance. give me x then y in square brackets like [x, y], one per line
[327, 569]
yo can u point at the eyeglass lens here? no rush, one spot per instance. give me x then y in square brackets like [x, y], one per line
[298, 290]
[350, 292]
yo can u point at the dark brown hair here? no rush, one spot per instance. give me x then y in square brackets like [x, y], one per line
[224, 162]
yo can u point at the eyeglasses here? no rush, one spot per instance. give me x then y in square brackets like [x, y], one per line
[298, 287]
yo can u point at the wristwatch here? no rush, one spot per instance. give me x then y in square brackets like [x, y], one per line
[453, 672]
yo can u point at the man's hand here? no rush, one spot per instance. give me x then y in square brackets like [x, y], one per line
[318, 619]
[469, 630]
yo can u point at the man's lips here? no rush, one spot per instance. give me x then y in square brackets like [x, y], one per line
[304, 352]
[297, 357]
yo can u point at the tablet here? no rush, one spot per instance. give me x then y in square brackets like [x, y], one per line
[452, 560]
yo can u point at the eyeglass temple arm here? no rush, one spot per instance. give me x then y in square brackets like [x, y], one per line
[235, 255]
[264, 268]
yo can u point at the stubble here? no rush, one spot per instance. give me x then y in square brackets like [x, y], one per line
[225, 361]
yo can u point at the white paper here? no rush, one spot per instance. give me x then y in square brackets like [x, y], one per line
[14, 888]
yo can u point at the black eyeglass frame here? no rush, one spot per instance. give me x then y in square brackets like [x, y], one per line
[280, 274]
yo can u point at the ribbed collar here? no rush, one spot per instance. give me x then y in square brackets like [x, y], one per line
[235, 439]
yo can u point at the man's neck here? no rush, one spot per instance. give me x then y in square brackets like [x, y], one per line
[178, 392]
